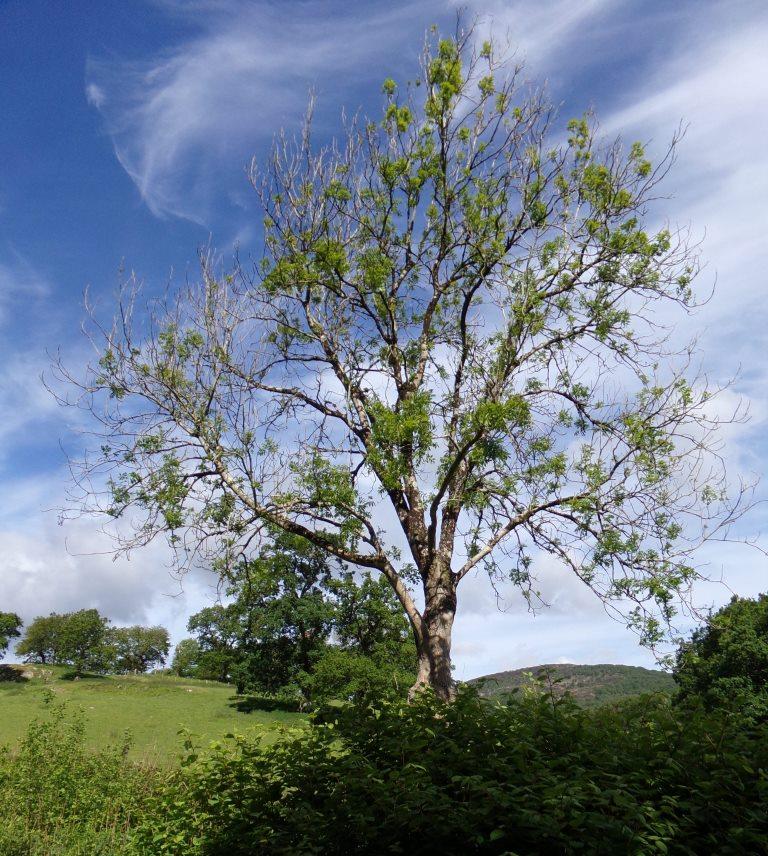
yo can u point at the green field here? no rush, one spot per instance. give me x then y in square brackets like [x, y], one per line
[152, 708]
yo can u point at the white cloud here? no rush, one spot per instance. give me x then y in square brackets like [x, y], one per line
[50, 568]
[185, 122]
[544, 31]
[20, 281]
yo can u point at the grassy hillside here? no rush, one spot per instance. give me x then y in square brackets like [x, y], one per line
[153, 708]
[590, 686]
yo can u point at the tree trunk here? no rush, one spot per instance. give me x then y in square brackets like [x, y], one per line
[434, 644]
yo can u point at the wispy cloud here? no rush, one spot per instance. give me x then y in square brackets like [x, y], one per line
[20, 281]
[543, 32]
[186, 121]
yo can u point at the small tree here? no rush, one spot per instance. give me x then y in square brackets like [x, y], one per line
[458, 317]
[186, 658]
[725, 663]
[81, 641]
[40, 643]
[10, 628]
[138, 649]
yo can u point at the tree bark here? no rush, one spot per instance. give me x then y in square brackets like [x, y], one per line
[433, 644]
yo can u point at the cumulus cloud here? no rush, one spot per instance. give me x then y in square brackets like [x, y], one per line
[51, 568]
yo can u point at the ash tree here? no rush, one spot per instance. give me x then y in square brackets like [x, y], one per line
[449, 359]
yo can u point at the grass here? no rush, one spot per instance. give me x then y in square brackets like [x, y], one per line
[152, 708]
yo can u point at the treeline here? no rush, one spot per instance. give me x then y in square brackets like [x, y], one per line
[85, 641]
[296, 626]
[300, 628]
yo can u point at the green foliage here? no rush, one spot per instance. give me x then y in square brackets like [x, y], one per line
[10, 628]
[295, 630]
[346, 674]
[186, 657]
[217, 630]
[40, 643]
[78, 639]
[725, 663]
[534, 776]
[82, 638]
[58, 796]
[137, 649]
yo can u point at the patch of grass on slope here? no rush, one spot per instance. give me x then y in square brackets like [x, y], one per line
[590, 686]
[153, 708]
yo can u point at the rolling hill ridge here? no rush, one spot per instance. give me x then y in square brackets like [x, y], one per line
[590, 686]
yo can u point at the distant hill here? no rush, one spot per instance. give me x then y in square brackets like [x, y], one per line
[590, 686]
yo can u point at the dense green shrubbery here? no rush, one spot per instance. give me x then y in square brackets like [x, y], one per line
[537, 775]
[725, 663]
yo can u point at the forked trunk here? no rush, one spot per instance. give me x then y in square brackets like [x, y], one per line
[434, 646]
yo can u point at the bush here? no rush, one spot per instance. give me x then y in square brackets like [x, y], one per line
[340, 674]
[725, 664]
[534, 776]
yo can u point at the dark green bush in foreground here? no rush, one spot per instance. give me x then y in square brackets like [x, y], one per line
[535, 776]
[725, 663]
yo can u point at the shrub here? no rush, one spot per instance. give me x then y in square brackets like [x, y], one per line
[340, 674]
[725, 664]
[536, 775]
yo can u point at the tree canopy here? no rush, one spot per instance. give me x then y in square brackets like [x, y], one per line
[40, 643]
[725, 663]
[10, 628]
[137, 648]
[295, 629]
[451, 357]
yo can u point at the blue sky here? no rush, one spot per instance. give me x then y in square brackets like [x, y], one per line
[126, 130]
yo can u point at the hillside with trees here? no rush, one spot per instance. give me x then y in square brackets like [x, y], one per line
[589, 686]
